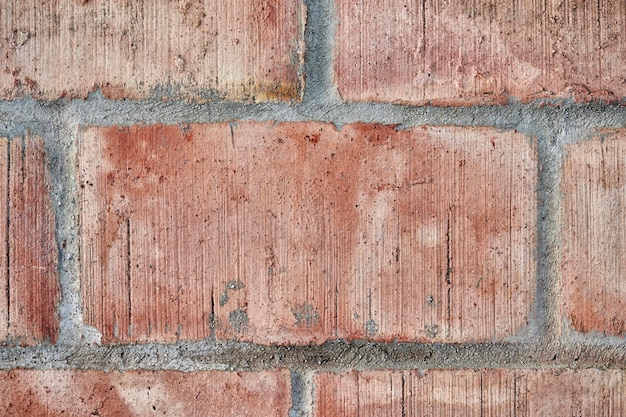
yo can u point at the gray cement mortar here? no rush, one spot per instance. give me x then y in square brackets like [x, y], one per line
[548, 342]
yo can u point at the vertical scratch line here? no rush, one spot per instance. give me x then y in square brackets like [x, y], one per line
[403, 395]
[232, 135]
[514, 395]
[212, 315]
[448, 250]
[336, 302]
[482, 400]
[128, 276]
[449, 272]
[8, 235]
[423, 46]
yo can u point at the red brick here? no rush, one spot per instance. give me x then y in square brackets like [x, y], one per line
[298, 233]
[594, 232]
[144, 393]
[29, 289]
[480, 52]
[444, 393]
[236, 49]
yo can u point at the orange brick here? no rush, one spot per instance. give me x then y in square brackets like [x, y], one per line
[450, 393]
[235, 49]
[143, 393]
[28, 266]
[298, 233]
[594, 232]
[480, 52]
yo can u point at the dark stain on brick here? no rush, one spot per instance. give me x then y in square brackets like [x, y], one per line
[371, 327]
[238, 320]
[305, 315]
[235, 285]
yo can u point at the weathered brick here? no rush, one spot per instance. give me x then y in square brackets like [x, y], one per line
[594, 232]
[28, 266]
[235, 49]
[444, 393]
[144, 393]
[298, 233]
[480, 52]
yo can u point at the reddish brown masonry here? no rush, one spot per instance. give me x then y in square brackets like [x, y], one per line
[299, 233]
[29, 286]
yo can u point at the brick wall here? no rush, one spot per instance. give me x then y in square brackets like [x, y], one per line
[313, 208]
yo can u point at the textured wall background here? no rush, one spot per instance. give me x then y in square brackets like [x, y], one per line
[312, 208]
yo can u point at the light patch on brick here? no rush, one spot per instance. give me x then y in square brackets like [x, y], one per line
[465, 53]
[143, 393]
[594, 233]
[248, 50]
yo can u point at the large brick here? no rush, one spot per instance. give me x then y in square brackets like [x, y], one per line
[480, 52]
[298, 233]
[28, 266]
[594, 234]
[144, 393]
[447, 393]
[193, 49]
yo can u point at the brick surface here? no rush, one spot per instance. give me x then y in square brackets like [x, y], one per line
[442, 393]
[28, 266]
[455, 52]
[192, 49]
[137, 393]
[297, 233]
[594, 232]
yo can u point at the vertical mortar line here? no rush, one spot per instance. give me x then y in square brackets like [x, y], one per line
[66, 270]
[549, 165]
[302, 393]
[62, 150]
[319, 41]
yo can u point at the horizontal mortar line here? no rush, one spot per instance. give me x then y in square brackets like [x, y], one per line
[103, 112]
[332, 357]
